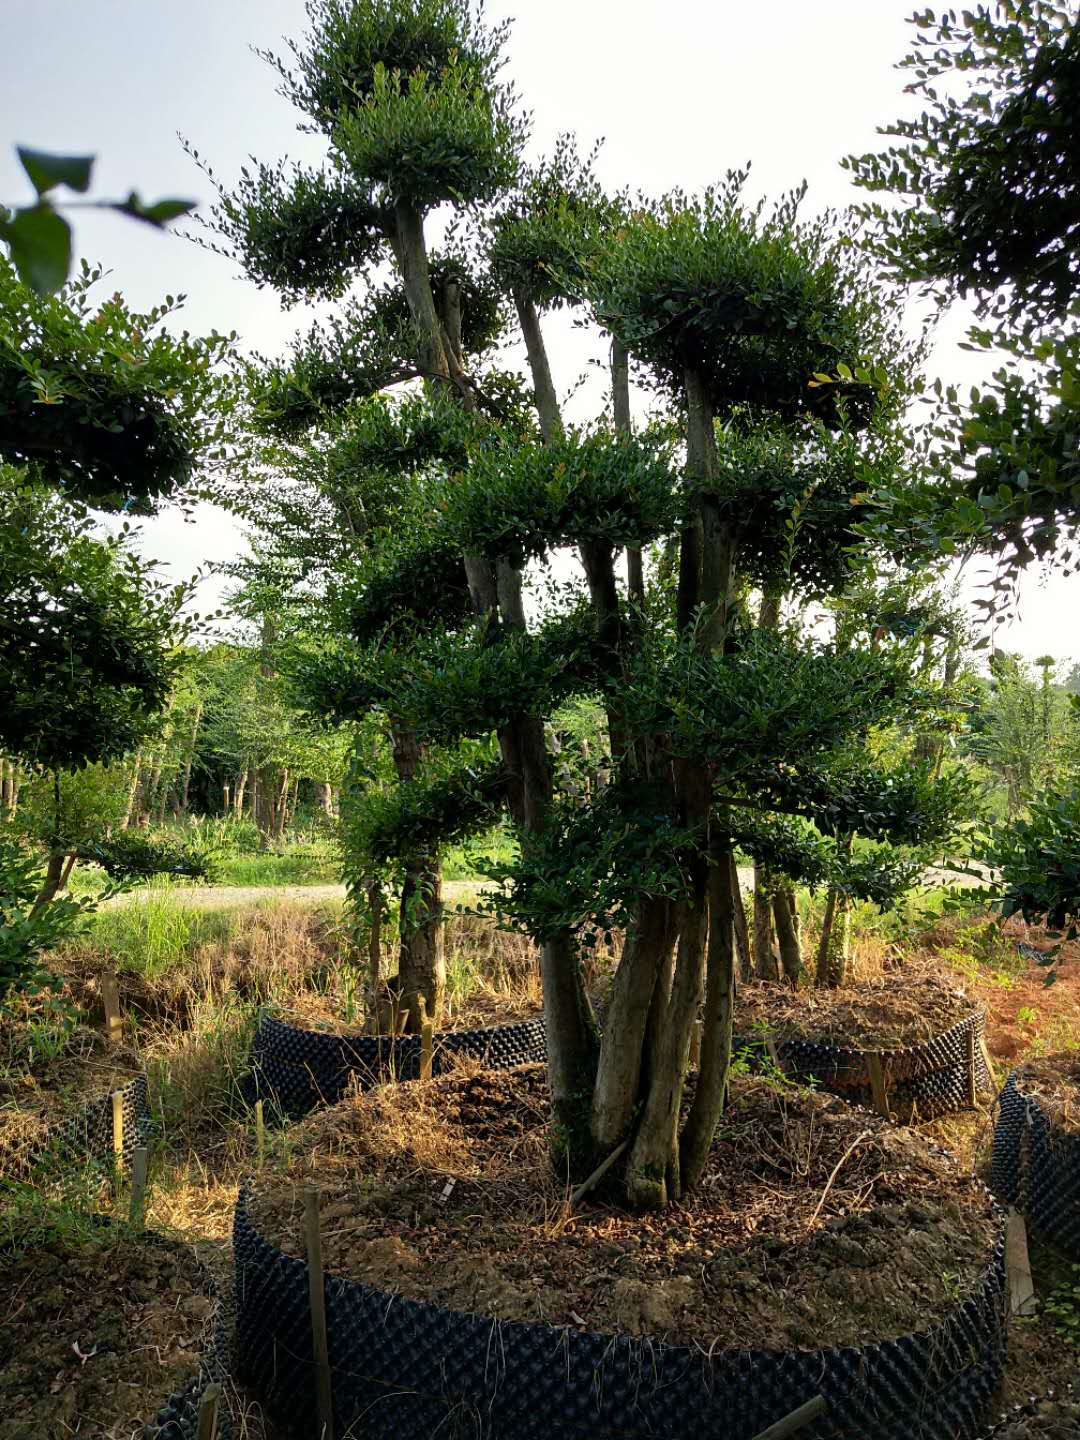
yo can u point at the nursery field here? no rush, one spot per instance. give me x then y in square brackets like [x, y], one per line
[795, 1173]
[539, 838]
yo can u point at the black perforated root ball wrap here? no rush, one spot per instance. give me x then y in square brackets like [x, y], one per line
[85, 1135]
[920, 1080]
[298, 1070]
[178, 1418]
[402, 1370]
[1036, 1167]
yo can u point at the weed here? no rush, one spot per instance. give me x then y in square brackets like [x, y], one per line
[1062, 1305]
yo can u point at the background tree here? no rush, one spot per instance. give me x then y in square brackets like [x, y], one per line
[987, 178]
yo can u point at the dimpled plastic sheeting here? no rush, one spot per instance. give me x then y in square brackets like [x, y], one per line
[86, 1135]
[402, 1369]
[923, 1080]
[298, 1070]
[1036, 1167]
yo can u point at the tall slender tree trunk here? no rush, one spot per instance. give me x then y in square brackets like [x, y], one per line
[742, 933]
[421, 960]
[766, 960]
[787, 933]
[189, 758]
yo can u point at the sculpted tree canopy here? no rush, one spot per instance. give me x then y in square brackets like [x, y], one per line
[782, 377]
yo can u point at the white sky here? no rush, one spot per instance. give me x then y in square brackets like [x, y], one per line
[682, 90]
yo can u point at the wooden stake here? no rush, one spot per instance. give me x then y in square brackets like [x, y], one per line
[694, 1058]
[987, 1060]
[796, 1420]
[969, 1055]
[137, 1209]
[208, 1412]
[110, 997]
[118, 1126]
[260, 1134]
[427, 1041]
[1022, 1299]
[597, 1175]
[317, 1297]
[877, 1082]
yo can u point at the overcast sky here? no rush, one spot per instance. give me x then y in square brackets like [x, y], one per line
[682, 90]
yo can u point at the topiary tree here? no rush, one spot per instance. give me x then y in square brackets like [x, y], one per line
[409, 99]
[775, 356]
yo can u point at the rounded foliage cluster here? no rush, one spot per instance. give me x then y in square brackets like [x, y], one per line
[333, 69]
[755, 304]
[544, 231]
[306, 233]
[523, 500]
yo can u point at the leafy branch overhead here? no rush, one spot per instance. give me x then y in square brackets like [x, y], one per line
[38, 236]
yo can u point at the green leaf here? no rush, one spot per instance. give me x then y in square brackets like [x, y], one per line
[157, 214]
[40, 244]
[47, 171]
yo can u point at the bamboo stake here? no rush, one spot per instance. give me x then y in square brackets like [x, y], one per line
[796, 1420]
[137, 1208]
[117, 1098]
[317, 1297]
[208, 1412]
[427, 1041]
[110, 998]
[969, 1055]
[260, 1134]
[877, 1082]
[1022, 1300]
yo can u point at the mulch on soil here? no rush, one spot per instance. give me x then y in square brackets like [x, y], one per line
[38, 1089]
[815, 1225]
[1054, 1081]
[95, 1337]
[480, 1010]
[890, 1012]
[1055, 1420]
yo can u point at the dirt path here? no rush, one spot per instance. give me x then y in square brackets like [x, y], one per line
[215, 896]
[218, 896]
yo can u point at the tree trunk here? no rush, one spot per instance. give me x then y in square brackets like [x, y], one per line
[786, 917]
[238, 795]
[190, 757]
[834, 944]
[766, 960]
[742, 933]
[708, 1102]
[421, 961]
[373, 891]
[54, 879]
[636, 982]
[620, 408]
[652, 1177]
[547, 401]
